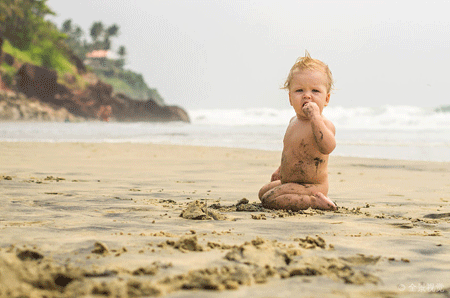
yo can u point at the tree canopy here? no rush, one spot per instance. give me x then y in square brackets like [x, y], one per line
[96, 31]
[22, 23]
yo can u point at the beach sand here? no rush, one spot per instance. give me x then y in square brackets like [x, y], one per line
[104, 220]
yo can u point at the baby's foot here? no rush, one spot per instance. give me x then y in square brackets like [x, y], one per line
[322, 202]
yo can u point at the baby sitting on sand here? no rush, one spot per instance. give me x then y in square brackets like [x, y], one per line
[301, 181]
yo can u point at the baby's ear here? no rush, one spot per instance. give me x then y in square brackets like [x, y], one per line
[327, 100]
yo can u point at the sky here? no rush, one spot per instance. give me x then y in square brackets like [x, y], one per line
[236, 54]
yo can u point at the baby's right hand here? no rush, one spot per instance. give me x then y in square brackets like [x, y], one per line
[310, 108]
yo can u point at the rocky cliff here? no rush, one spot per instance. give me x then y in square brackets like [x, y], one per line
[97, 101]
[16, 106]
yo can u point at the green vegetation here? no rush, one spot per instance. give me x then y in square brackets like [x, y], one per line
[132, 85]
[41, 55]
[29, 38]
[22, 56]
[100, 35]
[23, 24]
[109, 70]
[44, 54]
[8, 74]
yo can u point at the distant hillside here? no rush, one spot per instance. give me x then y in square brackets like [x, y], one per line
[48, 97]
[29, 38]
[98, 57]
[125, 81]
[63, 71]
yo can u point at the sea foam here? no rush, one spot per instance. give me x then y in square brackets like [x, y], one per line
[384, 117]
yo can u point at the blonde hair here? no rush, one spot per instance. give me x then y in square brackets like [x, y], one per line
[309, 63]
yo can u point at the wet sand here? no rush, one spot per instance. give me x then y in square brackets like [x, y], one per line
[140, 220]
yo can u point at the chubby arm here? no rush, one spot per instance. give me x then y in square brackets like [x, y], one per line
[322, 129]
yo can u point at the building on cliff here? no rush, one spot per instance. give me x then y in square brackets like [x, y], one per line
[97, 59]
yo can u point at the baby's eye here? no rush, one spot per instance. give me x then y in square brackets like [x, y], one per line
[315, 90]
[299, 90]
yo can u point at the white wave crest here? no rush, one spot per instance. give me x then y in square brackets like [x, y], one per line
[384, 117]
[232, 117]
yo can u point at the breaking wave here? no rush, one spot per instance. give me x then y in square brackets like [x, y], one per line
[385, 117]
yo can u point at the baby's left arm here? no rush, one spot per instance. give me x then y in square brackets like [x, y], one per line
[322, 129]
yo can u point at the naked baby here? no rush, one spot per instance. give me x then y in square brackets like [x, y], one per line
[301, 181]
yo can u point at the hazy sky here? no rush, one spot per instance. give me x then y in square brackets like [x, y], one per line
[236, 54]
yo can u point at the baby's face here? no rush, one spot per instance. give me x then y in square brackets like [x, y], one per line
[308, 85]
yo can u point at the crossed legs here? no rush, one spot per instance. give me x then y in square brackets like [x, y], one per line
[294, 196]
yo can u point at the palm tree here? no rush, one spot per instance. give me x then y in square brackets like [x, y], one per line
[112, 30]
[121, 61]
[122, 52]
[77, 33]
[67, 26]
[96, 30]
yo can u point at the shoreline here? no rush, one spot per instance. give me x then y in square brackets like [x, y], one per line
[106, 217]
[144, 142]
[384, 144]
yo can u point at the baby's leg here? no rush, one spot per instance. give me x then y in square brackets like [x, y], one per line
[293, 196]
[268, 187]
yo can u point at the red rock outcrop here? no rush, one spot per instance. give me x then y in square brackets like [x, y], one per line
[38, 82]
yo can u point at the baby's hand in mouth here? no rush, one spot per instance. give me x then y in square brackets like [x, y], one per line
[309, 107]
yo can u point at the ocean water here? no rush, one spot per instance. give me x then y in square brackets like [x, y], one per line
[389, 132]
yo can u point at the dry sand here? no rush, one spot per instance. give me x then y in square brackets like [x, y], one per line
[103, 220]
